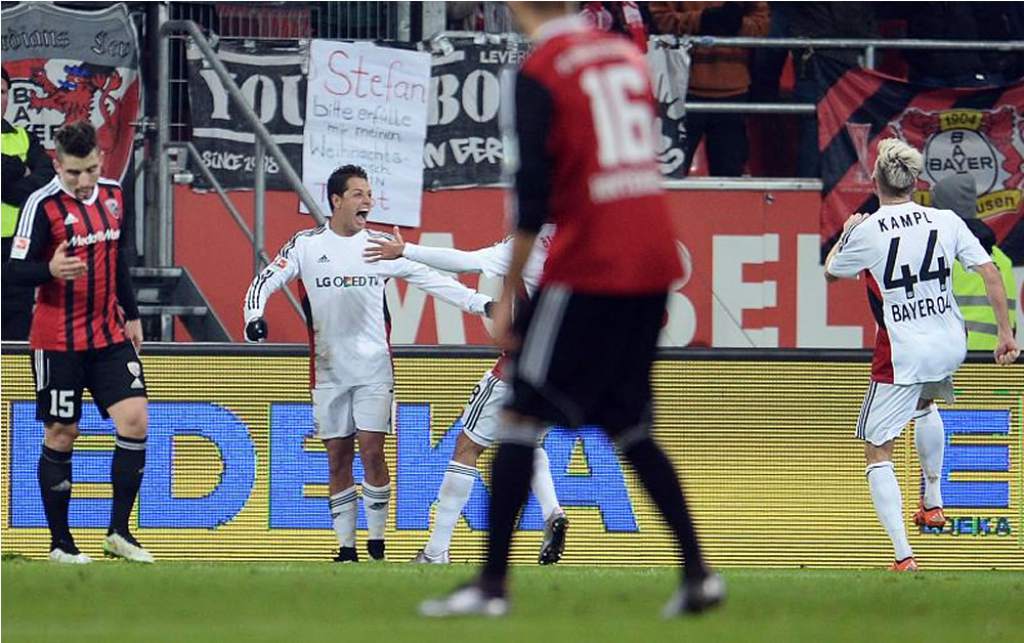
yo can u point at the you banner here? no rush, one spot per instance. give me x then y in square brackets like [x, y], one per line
[270, 75]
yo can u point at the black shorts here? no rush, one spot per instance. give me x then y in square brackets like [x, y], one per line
[111, 374]
[586, 359]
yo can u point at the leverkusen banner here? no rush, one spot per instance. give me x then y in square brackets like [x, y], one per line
[67, 66]
[464, 145]
[979, 131]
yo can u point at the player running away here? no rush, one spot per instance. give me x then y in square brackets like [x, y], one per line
[906, 253]
[351, 377]
[481, 418]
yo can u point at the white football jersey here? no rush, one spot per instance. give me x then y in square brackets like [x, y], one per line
[344, 300]
[907, 251]
[493, 261]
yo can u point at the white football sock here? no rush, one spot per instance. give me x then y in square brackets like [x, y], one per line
[376, 501]
[343, 511]
[542, 485]
[930, 439]
[885, 493]
[451, 498]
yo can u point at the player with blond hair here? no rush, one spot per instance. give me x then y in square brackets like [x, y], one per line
[906, 253]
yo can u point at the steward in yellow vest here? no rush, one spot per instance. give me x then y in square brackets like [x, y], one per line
[26, 168]
[979, 318]
[958, 193]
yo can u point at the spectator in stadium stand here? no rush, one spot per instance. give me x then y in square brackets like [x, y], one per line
[987, 21]
[351, 375]
[582, 352]
[26, 168]
[810, 20]
[958, 192]
[630, 19]
[906, 251]
[717, 74]
[86, 334]
[488, 17]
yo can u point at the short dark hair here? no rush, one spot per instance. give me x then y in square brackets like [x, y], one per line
[338, 182]
[7, 79]
[76, 139]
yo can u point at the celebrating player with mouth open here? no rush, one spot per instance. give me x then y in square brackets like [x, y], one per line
[351, 377]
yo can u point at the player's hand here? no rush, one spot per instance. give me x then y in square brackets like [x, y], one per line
[384, 248]
[1006, 351]
[64, 267]
[854, 221]
[256, 331]
[133, 331]
[501, 317]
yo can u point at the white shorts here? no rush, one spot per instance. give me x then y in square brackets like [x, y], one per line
[481, 420]
[339, 412]
[887, 408]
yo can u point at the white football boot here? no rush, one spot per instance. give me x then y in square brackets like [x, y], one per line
[468, 600]
[423, 558]
[117, 546]
[58, 555]
[694, 598]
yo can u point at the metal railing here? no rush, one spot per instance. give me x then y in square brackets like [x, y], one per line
[255, 237]
[372, 20]
[171, 32]
[264, 143]
[868, 46]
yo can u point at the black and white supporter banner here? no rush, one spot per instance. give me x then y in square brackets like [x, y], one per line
[669, 62]
[273, 80]
[464, 144]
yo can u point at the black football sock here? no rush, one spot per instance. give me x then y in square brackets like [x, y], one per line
[126, 476]
[660, 480]
[54, 473]
[510, 487]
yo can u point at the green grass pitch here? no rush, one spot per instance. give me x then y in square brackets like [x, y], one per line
[116, 601]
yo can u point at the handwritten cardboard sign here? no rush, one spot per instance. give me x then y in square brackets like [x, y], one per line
[367, 105]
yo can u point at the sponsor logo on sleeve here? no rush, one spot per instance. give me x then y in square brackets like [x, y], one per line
[19, 248]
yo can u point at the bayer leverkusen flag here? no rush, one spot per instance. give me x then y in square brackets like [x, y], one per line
[67, 66]
[979, 131]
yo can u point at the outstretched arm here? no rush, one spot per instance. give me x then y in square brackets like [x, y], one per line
[1006, 351]
[447, 259]
[444, 288]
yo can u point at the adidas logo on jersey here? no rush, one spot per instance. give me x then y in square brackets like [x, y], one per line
[70, 219]
[323, 259]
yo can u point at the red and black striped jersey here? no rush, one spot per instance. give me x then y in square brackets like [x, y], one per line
[79, 314]
[583, 121]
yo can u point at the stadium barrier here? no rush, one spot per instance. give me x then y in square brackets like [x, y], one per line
[763, 441]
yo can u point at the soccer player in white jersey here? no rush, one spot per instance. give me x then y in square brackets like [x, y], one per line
[352, 381]
[906, 252]
[481, 417]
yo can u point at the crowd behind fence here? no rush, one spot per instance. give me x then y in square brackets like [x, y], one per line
[760, 51]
